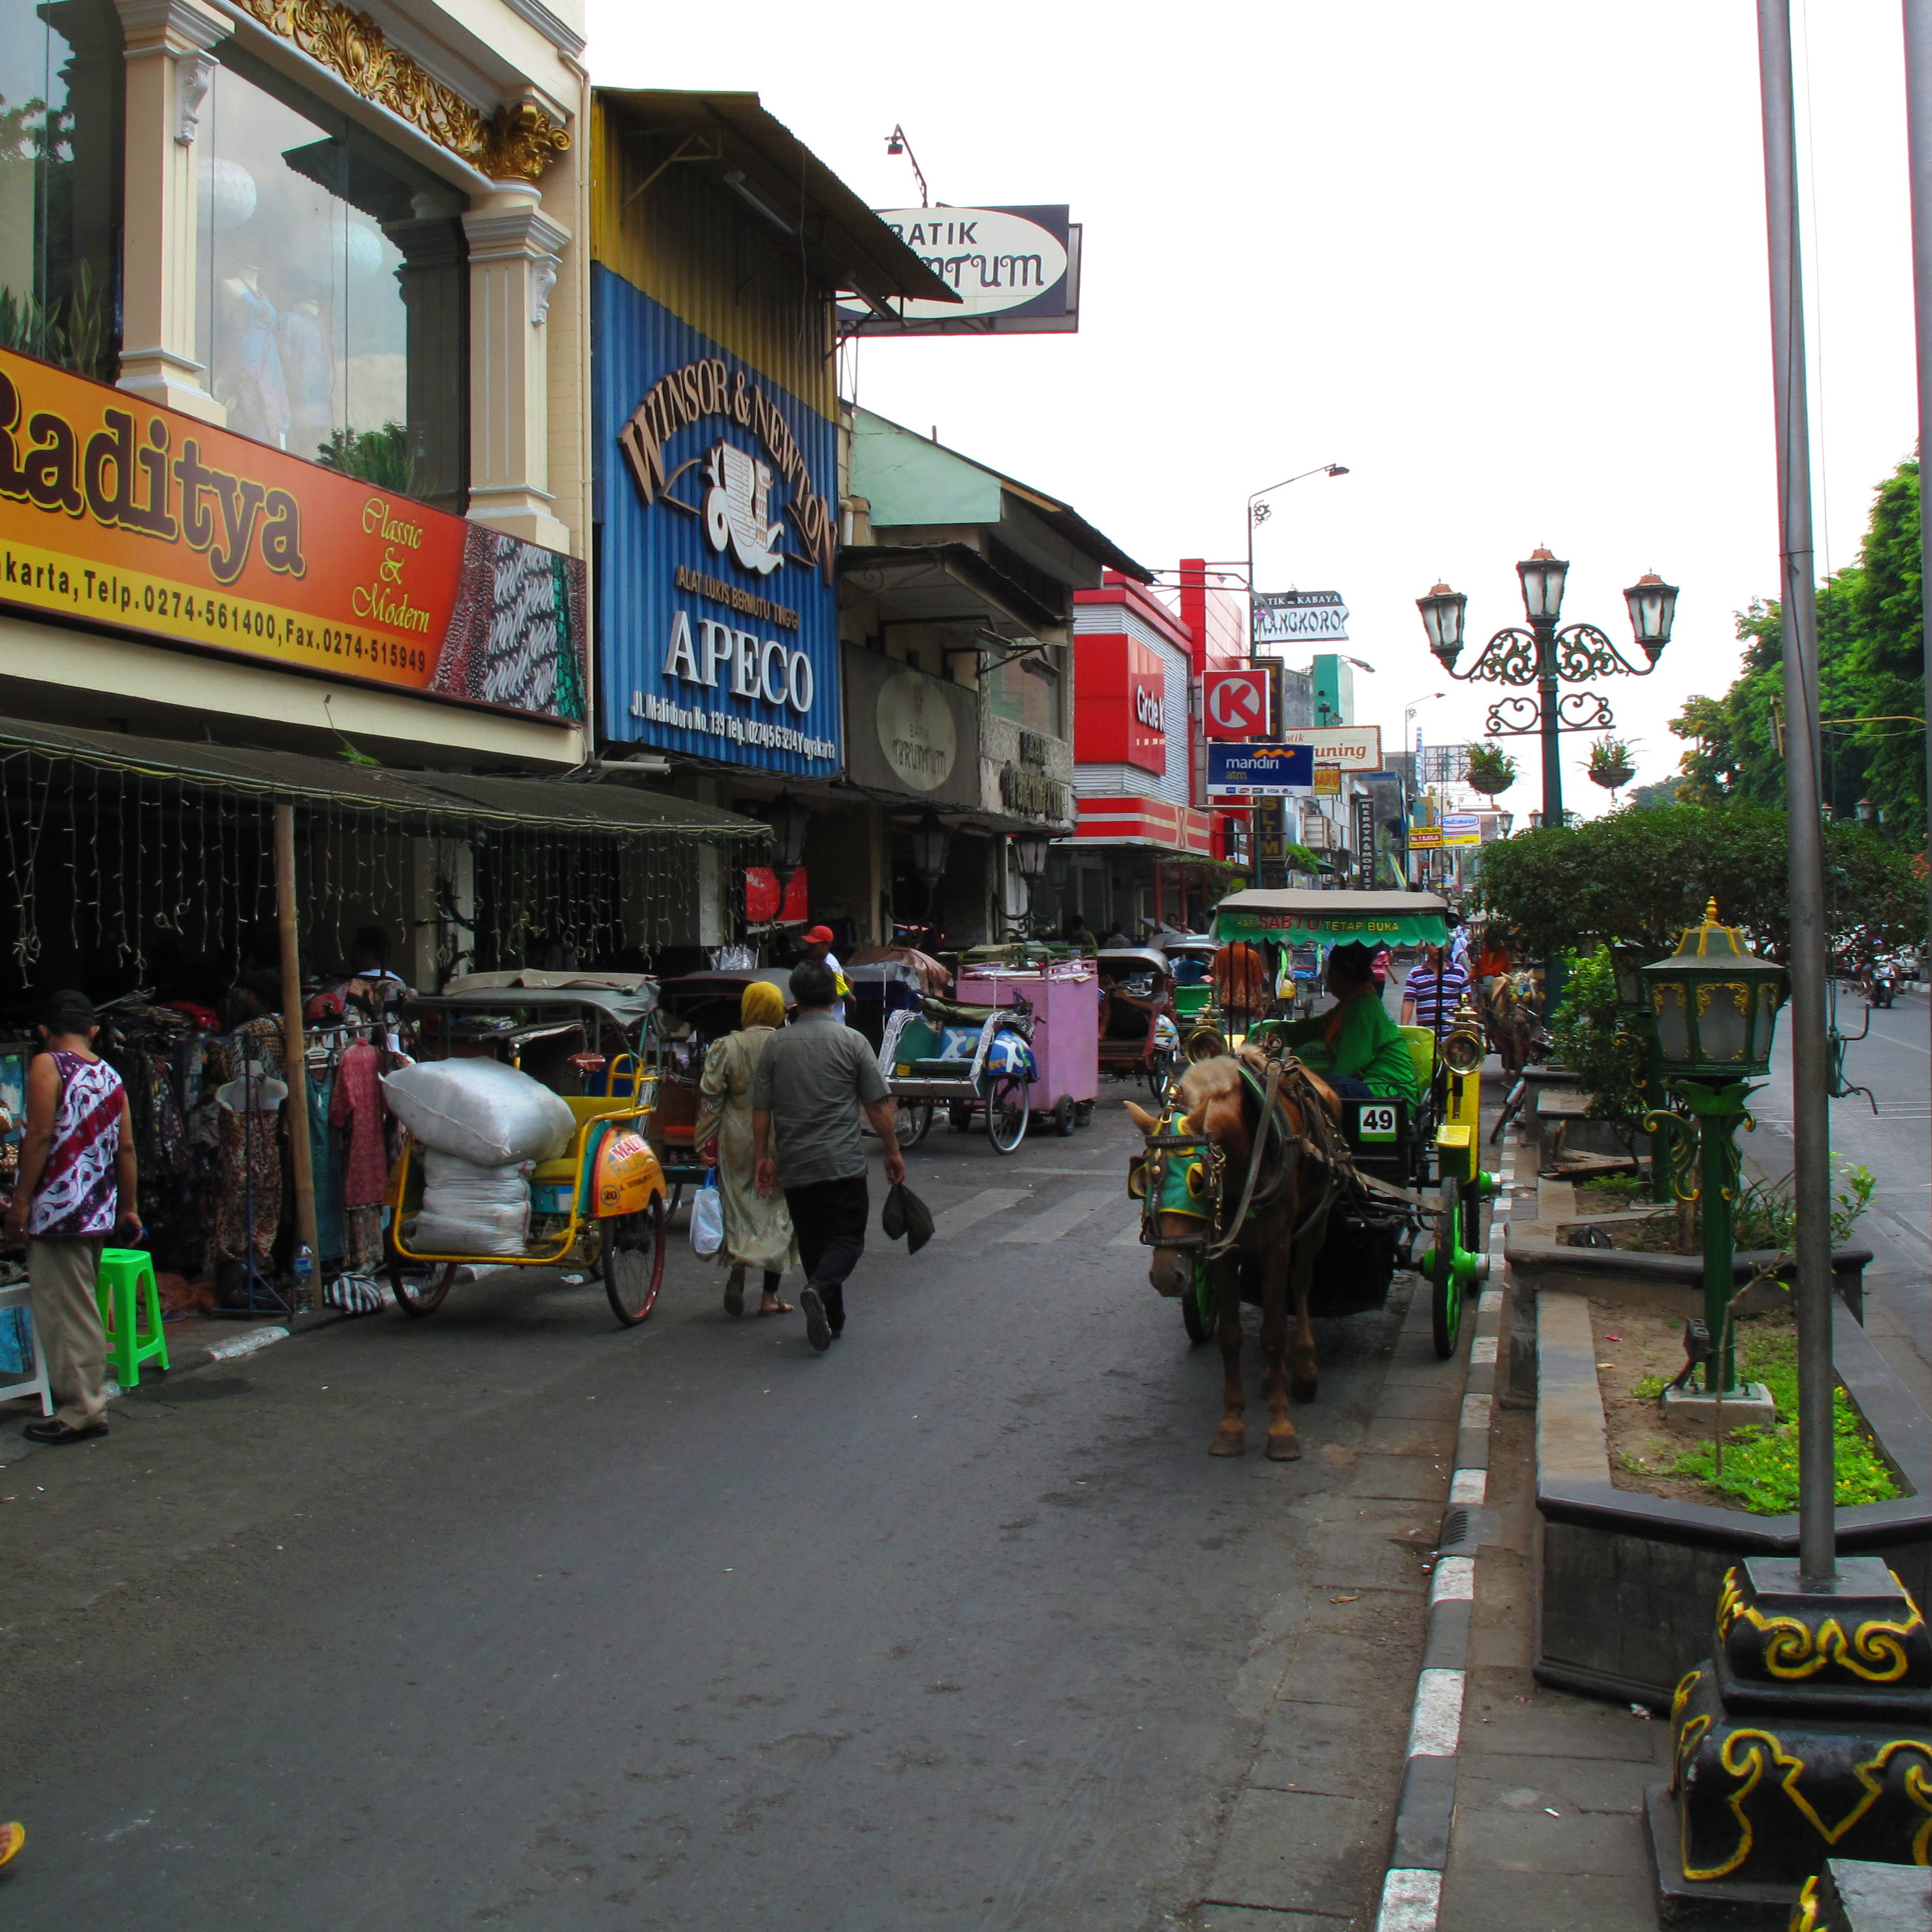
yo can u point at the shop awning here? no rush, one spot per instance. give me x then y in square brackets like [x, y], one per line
[448, 802]
[944, 583]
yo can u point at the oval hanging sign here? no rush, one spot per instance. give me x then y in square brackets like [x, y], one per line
[996, 258]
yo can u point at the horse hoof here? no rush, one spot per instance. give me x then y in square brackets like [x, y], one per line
[1300, 1390]
[1284, 1449]
[1224, 1445]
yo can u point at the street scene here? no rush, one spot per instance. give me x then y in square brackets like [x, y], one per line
[797, 1130]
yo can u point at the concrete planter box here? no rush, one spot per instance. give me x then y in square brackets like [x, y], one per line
[1627, 1584]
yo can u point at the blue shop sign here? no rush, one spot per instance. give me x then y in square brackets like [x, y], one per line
[717, 544]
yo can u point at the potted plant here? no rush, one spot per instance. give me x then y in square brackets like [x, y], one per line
[1610, 765]
[1492, 770]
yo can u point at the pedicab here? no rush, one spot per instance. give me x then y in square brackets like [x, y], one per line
[597, 1203]
[1140, 1035]
[963, 1057]
[1192, 960]
[1064, 1043]
[1412, 1169]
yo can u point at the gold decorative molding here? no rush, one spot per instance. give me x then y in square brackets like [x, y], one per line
[515, 143]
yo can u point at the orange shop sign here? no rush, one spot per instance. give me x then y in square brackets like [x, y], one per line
[118, 514]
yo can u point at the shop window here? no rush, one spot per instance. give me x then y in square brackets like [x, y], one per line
[1027, 690]
[332, 313]
[60, 183]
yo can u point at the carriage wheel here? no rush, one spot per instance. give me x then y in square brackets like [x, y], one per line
[1063, 1117]
[632, 1261]
[1006, 1114]
[1445, 1299]
[1197, 1312]
[419, 1294]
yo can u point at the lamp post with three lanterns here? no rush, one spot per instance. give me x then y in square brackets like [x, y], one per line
[1547, 656]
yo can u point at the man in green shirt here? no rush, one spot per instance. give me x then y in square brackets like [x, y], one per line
[1354, 1045]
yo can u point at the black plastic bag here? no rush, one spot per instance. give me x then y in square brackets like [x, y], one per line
[906, 1215]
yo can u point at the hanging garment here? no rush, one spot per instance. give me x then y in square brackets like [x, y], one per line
[363, 1251]
[250, 1114]
[358, 1105]
[325, 1156]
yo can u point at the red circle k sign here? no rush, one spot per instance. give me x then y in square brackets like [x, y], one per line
[1234, 703]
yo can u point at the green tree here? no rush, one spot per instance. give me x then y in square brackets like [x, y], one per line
[1645, 873]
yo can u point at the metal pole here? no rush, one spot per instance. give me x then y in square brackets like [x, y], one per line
[1553, 745]
[294, 1068]
[1811, 1123]
[1919, 142]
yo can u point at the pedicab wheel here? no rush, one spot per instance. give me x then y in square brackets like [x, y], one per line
[420, 1294]
[1063, 1117]
[1159, 1072]
[632, 1261]
[1006, 1114]
[1197, 1313]
[912, 1121]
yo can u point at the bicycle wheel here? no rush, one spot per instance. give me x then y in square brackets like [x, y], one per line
[631, 1261]
[421, 1295]
[912, 1119]
[1006, 1114]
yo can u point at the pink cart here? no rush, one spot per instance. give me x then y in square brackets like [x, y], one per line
[1065, 997]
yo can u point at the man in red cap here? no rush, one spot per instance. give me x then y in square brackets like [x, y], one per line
[817, 944]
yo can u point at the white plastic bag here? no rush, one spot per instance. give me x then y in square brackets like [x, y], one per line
[479, 1111]
[468, 1209]
[707, 1215]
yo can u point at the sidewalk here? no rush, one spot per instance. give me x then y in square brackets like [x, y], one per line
[1546, 1832]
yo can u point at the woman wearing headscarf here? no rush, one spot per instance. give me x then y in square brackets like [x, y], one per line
[757, 1227]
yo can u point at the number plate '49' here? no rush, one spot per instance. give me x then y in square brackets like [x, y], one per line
[1375, 1124]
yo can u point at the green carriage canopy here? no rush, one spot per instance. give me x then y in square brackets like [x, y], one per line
[1301, 916]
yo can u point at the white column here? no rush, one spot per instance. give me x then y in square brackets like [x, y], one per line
[515, 252]
[168, 73]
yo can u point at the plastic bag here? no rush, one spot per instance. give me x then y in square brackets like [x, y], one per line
[707, 1215]
[479, 1111]
[469, 1209]
[906, 1215]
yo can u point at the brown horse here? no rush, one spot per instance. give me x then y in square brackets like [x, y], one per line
[1284, 1227]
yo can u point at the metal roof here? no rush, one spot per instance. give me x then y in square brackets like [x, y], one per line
[845, 242]
[1311, 902]
[441, 797]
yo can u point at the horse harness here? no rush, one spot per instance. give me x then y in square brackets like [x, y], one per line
[1186, 1174]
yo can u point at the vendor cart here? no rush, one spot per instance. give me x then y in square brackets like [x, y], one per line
[1139, 1035]
[1066, 1042]
[598, 1203]
[962, 1058]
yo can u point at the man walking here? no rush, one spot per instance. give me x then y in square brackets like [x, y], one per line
[1435, 987]
[813, 1078]
[817, 945]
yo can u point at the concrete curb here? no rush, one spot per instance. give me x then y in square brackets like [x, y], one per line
[1412, 1895]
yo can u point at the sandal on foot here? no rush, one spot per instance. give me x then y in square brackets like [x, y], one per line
[783, 1308]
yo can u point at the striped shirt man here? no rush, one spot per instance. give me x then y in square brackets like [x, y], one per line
[1435, 987]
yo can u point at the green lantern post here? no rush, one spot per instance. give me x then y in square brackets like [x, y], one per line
[1713, 1005]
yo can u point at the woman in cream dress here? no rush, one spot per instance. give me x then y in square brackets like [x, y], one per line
[758, 1228]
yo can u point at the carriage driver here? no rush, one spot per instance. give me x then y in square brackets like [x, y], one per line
[1354, 1045]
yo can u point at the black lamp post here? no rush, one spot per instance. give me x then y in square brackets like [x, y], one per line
[931, 841]
[1545, 656]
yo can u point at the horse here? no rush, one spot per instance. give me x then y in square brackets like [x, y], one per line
[1507, 1004]
[1286, 1192]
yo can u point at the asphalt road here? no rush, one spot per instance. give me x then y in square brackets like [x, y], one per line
[508, 1619]
[1893, 1060]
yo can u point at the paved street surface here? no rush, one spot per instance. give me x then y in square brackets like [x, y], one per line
[509, 1618]
[1895, 1062]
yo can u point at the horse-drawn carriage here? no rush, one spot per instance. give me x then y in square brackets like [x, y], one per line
[1259, 1182]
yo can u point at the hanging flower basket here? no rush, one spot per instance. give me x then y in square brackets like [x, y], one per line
[1491, 770]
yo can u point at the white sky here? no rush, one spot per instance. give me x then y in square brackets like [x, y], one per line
[1506, 261]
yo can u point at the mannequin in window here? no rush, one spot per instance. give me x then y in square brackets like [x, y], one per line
[249, 380]
[308, 372]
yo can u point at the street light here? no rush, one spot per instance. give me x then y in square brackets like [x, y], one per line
[1259, 512]
[1030, 854]
[1714, 1004]
[1546, 656]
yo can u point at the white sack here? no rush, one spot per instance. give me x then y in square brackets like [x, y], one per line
[468, 1209]
[479, 1110]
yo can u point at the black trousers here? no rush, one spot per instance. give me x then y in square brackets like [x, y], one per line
[829, 1217]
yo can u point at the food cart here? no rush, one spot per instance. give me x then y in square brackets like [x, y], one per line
[1062, 996]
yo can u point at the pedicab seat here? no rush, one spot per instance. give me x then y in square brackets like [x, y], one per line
[560, 1170]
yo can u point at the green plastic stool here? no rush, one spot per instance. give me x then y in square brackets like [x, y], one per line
[125, 1275]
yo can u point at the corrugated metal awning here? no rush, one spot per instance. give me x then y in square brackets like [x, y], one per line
[445, 800]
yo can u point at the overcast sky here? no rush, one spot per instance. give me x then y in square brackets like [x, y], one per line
[1504, 261]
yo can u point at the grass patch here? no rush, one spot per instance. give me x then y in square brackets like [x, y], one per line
[1760, 1466]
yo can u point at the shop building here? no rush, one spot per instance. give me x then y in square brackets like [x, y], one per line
[719, 244]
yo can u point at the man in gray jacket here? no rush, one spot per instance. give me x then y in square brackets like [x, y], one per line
[812, 1079]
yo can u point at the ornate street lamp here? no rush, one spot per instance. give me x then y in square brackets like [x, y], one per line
[931, 841]
[1545, 656]
[789, 823]
[1030, 854]
[1714, 1004]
